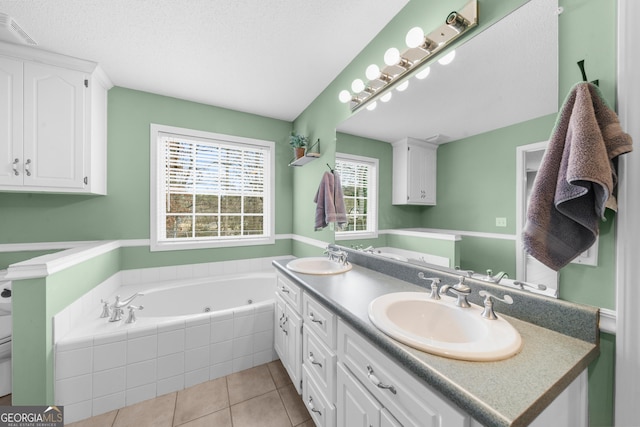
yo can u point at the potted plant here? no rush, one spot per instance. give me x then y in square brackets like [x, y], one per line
[298, 142]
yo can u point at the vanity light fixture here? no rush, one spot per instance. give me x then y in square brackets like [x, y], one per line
[421, 50]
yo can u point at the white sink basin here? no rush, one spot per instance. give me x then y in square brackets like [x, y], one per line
[317, 265]
[439, 327]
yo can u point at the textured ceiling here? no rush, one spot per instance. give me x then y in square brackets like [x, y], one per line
[270, 58]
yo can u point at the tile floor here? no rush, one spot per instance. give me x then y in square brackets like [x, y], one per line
[262, 397]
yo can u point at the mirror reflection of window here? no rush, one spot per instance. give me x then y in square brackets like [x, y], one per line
[359, 180]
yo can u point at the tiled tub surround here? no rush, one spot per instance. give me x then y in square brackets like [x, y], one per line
[101, 366]
[511, 392]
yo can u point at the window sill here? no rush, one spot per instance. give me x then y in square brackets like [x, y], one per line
[353, 235]
[209, 244]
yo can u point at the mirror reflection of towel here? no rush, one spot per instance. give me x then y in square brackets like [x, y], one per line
[575, 180]
[329, 201]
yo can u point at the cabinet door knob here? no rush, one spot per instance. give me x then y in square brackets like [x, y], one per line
[313, 360]
[15, 167]
[377, 382]
[27, 167]
[313, 409]
[313, 319]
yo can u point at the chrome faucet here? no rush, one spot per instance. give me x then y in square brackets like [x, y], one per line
[116, 307]
[488, 312]
[495, 279]
[460, 290]
[337, 255]
[132, 315]
[435, 281]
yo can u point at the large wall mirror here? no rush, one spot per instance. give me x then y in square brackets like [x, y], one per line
[500, 92]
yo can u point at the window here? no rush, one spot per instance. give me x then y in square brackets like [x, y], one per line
[209, 190]
[359, 180]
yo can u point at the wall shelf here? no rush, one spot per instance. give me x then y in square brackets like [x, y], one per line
[305, 159]
[308, 156]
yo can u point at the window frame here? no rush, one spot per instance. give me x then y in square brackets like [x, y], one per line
[157, 243]
[372, 197]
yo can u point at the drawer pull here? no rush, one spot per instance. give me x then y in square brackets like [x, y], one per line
[285, 290]
[313, 360]
[377, 382]
[312, 408]
[313, 319]
[15, 167]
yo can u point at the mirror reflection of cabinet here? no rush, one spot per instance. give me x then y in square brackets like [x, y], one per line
[414, 172]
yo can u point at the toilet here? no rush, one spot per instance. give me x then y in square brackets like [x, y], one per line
[6, 327]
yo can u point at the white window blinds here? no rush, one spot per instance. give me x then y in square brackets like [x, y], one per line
[358, 180]
[211, 189]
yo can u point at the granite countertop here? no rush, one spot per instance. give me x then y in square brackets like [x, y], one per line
[510, 392]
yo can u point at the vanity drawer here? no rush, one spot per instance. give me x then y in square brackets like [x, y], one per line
[321, 363]
[322, 412]
[290, 292]
[320, 320]
[410, 401]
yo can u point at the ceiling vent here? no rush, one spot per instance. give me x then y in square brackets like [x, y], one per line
[11, 32]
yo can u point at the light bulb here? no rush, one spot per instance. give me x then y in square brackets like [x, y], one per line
[357, 86]
[415, 37]
[392, 56]
[402, 86]
[344, 96]
[423, 73]
[372, 106]
[445, 60]
[386, 97]
[373, 72]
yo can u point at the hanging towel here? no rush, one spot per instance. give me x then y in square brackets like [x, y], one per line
[575, 180]
[330, 202]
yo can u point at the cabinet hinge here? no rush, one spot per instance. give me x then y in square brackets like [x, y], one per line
[86, 83]
[86, 180]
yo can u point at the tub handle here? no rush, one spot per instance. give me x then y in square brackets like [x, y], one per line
[313, 319]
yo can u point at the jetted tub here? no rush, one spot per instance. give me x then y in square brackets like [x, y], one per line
[189, 332]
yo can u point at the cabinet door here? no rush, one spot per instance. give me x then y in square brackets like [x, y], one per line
[355, 406]
[11, 160]
[293, 326]
[54, 126]
[421, 175]
[279, 333]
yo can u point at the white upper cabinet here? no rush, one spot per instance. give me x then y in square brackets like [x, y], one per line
[53, 134]
[414, 172]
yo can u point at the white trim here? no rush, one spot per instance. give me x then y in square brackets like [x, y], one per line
[464, 233]
[608, 321]
[309, 241]
[45, 246]
[627, 381]
[45, 265]
[425, 233]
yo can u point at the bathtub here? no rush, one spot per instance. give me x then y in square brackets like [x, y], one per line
[188, 332]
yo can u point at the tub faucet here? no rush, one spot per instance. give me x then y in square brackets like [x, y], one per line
[116, 307]
[490, 277]
[460, 290]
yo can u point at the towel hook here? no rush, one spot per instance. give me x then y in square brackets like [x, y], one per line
[584, 73]
[330, 168]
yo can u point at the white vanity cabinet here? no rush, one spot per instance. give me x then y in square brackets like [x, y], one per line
[53, 122]
[288, 328]
[407, 401]
[414, 172]
[319, 361]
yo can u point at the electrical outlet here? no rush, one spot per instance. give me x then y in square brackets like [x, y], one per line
[501, 222]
